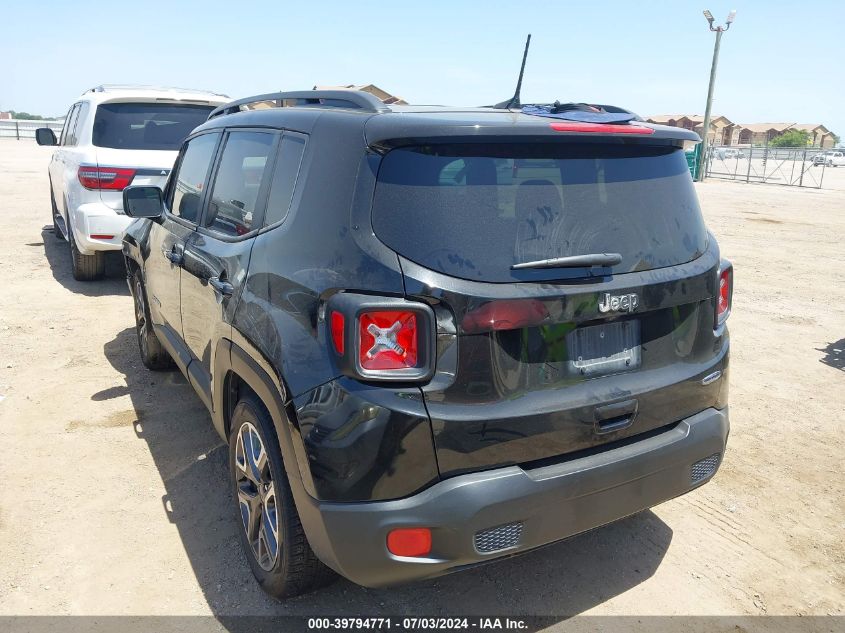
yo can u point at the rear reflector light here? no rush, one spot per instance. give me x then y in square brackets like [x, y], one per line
[600, 128]
[111, 178]
[725, 296]
[409, 541]
[510, 314]
[388, 340]
[338, 323]
[101, 237]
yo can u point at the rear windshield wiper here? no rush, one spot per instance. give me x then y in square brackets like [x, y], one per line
[573, 261]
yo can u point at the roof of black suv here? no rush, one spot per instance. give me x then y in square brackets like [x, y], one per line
[300, 111]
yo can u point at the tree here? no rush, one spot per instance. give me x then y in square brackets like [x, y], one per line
[791, 138]
[26, 116]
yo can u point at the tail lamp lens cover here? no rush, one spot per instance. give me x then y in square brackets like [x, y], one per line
[338, 324]
[388, 339]
[725, 296]
[110, 178]
[381, 338]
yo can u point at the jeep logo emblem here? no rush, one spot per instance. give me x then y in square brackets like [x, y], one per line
[622, 303]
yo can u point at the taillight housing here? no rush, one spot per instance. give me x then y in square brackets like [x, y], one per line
[724, 292]
[381, 338]
[110, 178]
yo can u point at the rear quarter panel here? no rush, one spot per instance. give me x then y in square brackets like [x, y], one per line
[295, 267]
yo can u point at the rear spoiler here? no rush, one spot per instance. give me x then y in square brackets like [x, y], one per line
[382, 136]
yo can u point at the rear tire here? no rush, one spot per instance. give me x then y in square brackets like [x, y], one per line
[277, 550]
[85, 267]
[153, 354]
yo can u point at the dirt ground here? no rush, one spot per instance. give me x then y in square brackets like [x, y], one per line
[114, 496]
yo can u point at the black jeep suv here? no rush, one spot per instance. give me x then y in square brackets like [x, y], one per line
[434, 336]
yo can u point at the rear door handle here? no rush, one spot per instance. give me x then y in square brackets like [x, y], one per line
[615, 417]
[221, 287]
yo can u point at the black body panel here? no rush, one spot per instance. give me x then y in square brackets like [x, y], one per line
[366, 442]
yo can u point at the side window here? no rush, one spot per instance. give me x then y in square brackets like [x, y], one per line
[79, 117]
[284, 178]
[70, 121]
[234, 199]
[192, 176]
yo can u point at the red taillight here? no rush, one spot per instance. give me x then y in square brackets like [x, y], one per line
[508, 314]
[725, 296]
[111, 178]
[600, 128]
[338, 322]
[98, 236]
[387, 340]
[409, 541]
[381, 338]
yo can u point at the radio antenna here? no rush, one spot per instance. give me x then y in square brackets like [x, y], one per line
[513, 102]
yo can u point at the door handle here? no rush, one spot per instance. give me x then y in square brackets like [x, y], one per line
[615, 417]
[221, 287]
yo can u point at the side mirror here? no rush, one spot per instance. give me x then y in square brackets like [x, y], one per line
[45, 136]
[142, 201]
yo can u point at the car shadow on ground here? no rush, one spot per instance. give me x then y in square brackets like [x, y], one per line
[834, 354]
[57, 252]
[558, 581]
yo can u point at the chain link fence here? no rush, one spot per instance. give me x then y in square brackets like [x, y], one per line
[791, 166]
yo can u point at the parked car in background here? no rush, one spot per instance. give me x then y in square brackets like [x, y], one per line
[114, 136]
[728, 152]
[834, 159]
[821, 158]
[419, 361]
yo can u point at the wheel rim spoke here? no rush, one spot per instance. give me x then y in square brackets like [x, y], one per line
[140, 312]
[256, 457]
[250, 504]
[270, 523]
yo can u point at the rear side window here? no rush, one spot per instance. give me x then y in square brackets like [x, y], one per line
[474, 210]
[68, 130]
[156, 126]
[235, 196]
[284, 178]
[192, 176]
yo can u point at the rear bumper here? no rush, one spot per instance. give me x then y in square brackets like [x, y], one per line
[93, 222]
[532, 507]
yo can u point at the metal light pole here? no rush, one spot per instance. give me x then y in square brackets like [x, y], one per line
[706, 131]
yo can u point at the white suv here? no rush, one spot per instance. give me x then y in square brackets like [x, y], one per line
[113, 137]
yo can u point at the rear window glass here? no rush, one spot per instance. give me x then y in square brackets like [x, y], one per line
[161, 126]
[472, 211]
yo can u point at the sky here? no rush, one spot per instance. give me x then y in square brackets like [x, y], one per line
[779, 62]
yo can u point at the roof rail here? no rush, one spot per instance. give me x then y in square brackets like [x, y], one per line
[108, 87]
[353, 99]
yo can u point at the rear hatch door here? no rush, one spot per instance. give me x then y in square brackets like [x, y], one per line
[140, 139]
[537, 362]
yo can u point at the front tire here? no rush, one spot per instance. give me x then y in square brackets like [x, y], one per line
[270, 531]
[85, 267]
[153, 354]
